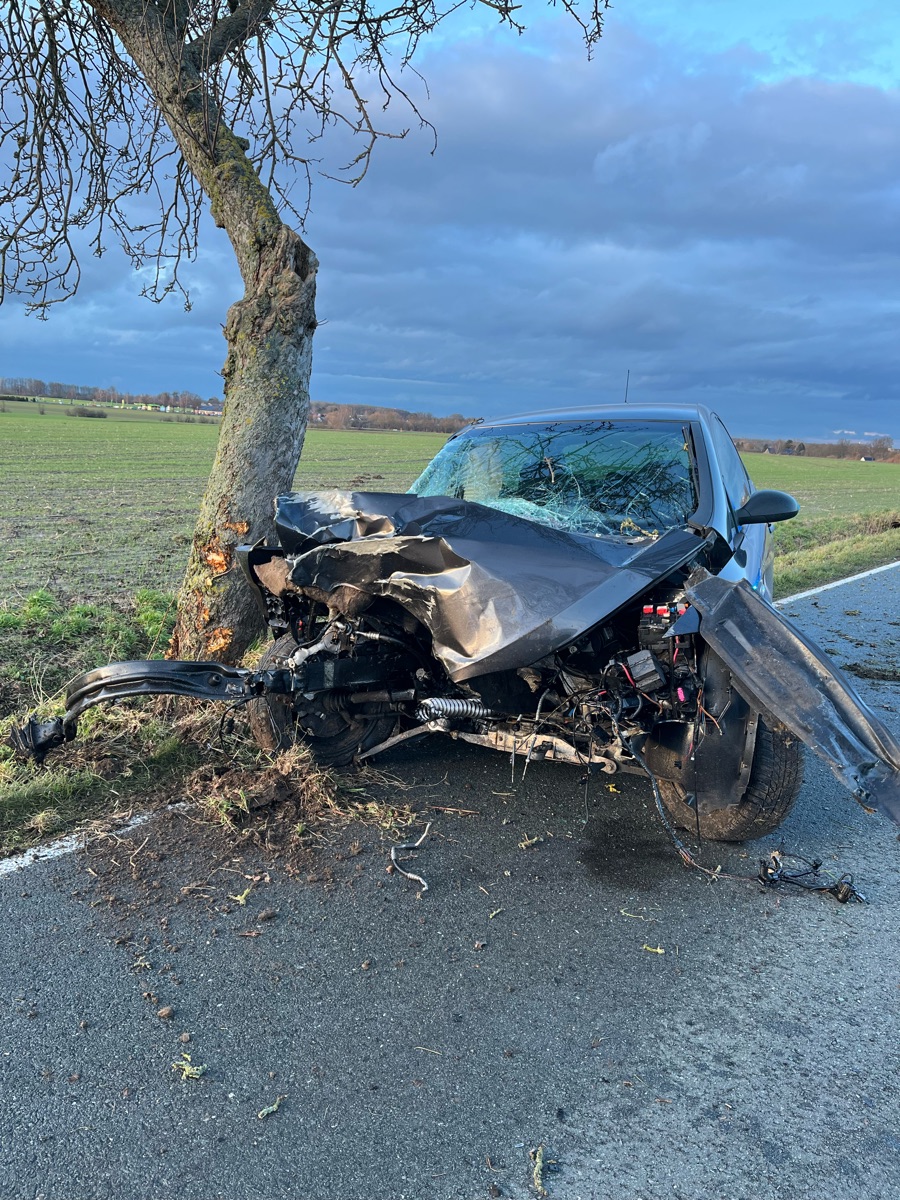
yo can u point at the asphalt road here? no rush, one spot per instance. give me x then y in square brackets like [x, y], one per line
[426, 1045]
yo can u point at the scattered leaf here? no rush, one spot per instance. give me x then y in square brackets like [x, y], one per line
[653, 949]
[537, 1157]
[187, 1068]
[270, 1108]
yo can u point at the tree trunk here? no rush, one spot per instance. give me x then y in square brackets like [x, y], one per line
[269, 334]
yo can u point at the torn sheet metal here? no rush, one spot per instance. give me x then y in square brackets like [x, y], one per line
[780, 671]
[494, 590]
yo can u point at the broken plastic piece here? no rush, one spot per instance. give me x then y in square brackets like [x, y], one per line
[804, 691]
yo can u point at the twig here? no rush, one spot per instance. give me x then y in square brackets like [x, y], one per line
[138, 850]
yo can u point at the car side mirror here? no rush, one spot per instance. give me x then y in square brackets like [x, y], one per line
[765, 506]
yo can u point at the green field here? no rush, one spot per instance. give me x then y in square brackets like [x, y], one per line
[828, 487]
[97, 508]
[89, 508]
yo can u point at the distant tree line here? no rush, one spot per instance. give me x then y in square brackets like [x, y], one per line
[79, 394]
[880, 448]
[321, 416]
[363, 416]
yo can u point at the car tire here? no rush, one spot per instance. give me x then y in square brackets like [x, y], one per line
[775, 781]
[333, 738]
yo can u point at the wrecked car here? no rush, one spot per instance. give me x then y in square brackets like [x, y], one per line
[591, 587]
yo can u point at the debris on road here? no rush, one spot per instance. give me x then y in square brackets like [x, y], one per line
[527, 842]
[410, 846]
[635, 916]
[774, 870]
[187, 1068]
[270, 1108]
[537, 1176]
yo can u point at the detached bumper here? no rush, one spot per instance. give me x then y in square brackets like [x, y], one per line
[105, 685]
[780, 671]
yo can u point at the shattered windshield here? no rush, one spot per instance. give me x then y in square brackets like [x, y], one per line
[621, 478]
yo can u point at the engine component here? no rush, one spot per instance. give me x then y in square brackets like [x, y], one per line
[440, 706]
[656, 621]
[541, 747]
[648, 675]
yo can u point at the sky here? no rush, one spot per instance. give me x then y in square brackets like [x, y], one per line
[709, 207]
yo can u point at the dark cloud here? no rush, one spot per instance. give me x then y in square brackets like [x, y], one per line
[725, 239]
[726, 235]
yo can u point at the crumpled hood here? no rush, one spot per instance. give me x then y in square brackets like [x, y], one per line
[495, 591]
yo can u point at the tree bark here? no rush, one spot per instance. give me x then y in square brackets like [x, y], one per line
[269, 334]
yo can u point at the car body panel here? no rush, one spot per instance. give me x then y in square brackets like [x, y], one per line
[796, 682]
[495, 591]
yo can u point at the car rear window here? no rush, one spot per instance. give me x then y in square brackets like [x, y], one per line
[620, 478]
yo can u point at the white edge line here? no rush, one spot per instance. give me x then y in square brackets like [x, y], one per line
[826, 587]
[73, 841]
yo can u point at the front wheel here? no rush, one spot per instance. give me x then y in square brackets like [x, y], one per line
[775, 780]
[333, 737]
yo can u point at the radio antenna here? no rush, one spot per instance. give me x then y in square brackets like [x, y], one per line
[627, 377]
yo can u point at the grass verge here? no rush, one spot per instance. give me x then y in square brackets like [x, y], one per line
[43, 644]
[142, 754]
[817, 550]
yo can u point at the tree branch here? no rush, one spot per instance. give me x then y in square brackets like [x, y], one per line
[227, 35]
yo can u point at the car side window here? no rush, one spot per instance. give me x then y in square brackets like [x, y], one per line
[734, 475]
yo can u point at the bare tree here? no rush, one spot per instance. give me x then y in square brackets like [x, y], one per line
[121, 117]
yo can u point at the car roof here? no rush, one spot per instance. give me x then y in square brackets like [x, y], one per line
[606, 412]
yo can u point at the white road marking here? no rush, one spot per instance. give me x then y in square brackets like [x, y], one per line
[74, 841]
[826, 587]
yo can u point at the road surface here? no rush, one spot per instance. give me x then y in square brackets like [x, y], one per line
[582, 997]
